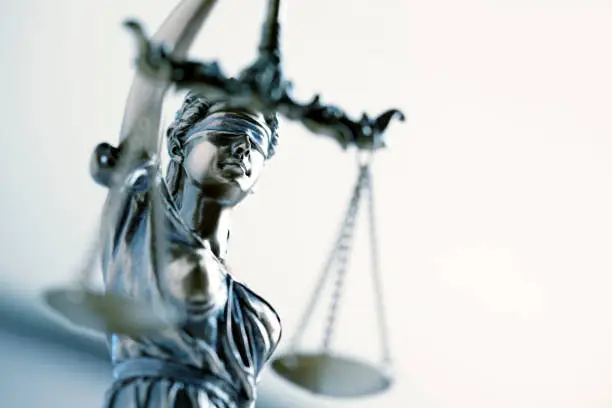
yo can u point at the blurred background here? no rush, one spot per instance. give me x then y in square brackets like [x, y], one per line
[493, 199]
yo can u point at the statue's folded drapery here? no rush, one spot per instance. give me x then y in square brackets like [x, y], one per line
[214, 360]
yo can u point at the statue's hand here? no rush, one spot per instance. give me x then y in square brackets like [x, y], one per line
[152, 60]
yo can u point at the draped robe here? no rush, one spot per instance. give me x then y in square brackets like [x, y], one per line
[220, 354]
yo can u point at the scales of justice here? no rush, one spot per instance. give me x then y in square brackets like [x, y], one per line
[182, 332]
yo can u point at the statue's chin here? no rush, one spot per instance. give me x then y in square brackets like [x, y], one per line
[195, 312]
[229, 186]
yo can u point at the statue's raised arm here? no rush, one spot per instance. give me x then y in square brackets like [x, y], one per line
[143, 108]
[176, 36]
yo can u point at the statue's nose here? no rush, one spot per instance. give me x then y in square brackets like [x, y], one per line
[241, 148]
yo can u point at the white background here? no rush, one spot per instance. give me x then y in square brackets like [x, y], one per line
[494, 198]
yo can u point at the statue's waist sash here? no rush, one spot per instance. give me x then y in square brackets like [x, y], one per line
[155, 368]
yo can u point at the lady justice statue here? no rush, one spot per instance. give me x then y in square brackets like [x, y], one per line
[215, 356]
[164, 238]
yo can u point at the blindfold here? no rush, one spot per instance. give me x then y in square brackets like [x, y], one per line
[220, 124]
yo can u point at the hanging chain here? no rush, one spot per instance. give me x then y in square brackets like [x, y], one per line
[345, 231]
[339, 257]
[342, 252]
[376, 275]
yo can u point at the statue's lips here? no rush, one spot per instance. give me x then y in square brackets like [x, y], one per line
[233, 167]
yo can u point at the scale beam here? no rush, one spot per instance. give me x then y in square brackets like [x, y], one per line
[262, 87]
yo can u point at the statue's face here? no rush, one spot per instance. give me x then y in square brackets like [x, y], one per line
[225, 154]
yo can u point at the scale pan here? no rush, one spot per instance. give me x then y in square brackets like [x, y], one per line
[332, 376]
[107, 313]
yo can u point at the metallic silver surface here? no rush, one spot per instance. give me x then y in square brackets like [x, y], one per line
[163, 241]
[229, 332]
